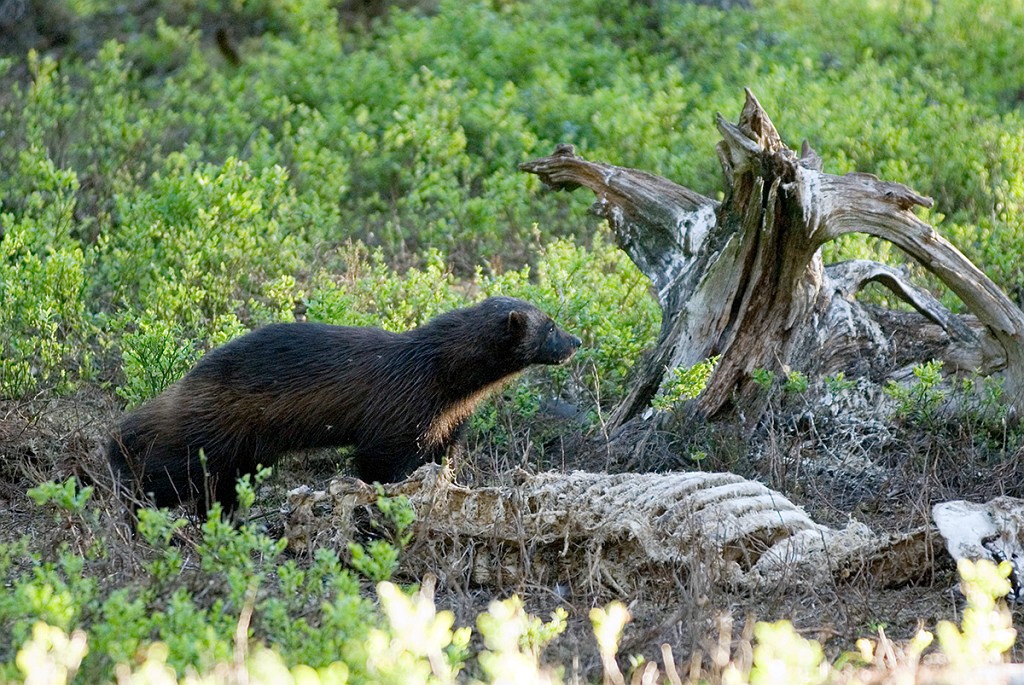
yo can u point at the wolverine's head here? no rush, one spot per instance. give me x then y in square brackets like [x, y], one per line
[537, 339]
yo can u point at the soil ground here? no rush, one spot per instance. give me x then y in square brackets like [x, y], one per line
[887, 480]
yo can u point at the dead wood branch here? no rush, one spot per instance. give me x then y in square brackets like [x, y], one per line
[598, 532]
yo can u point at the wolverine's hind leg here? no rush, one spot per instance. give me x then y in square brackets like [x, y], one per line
[220, 488]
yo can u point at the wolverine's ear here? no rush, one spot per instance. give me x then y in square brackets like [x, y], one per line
[516, 322]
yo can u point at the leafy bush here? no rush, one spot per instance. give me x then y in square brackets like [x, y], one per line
[369, 292]
[178, 616]
[152, 357]
[315, 614]
[920, 401]
[199, 245]
[42, 281]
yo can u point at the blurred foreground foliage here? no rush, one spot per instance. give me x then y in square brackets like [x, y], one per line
[206, 611]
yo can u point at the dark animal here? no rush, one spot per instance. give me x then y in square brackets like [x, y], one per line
[399, 399]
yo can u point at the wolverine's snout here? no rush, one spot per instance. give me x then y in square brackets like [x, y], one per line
[566, 349]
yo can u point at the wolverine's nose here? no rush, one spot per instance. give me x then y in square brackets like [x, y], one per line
[575, 341]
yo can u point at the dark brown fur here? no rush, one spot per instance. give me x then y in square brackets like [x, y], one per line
[399, 398]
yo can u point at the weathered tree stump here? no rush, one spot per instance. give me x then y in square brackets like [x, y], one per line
[744, 278]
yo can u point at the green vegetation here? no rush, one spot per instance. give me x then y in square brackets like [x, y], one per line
[315, 613]
[411, 642]
[684, 384]
[157, 199]
[919, 401]
[153, 192]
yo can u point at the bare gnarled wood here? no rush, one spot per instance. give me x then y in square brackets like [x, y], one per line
[612, 533]
[744, 278]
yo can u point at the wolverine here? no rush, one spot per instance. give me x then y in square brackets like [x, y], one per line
[399, 399]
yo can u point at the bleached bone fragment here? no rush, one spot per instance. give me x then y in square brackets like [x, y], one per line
[993, 530]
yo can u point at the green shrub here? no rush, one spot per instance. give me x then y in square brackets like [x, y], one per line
[42, 284]
[683, 384]
[920, 400]
[200, 245]
[377, 560]
[369, 292]
[152, 357]
[796, 382]
[314, 614]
